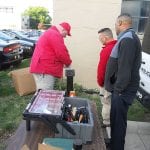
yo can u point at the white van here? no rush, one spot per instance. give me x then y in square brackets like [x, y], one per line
[143, 94]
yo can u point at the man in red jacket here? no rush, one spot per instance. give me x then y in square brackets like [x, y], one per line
[50, 56]
[106, 38]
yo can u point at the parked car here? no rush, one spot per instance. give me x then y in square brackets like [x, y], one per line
[143, 94]
[32, 33]
[11, 53]
[28, 47]
[19, 35]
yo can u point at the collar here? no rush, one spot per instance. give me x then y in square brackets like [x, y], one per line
[110, 43]
[122, 33]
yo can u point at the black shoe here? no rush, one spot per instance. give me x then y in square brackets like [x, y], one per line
[107, 143]
[108, 148]
[105, 125]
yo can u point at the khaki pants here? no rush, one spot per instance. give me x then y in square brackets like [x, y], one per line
[105, 97]
[44, 81]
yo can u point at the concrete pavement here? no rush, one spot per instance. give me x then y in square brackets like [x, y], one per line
[137, 137]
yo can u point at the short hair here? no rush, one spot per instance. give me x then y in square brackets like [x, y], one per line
[125, 18]
[106, 31]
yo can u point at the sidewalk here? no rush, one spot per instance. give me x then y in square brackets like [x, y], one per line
[138, 136]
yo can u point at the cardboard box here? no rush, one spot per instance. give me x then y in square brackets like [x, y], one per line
[23, 81]
[42, 147]
[25, 147]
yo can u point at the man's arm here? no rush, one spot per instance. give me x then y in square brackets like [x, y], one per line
[104, 56]
[61, 51]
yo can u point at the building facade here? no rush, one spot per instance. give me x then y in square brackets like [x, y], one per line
[8, 21]
[140, 11]
[11, 12]
[86, 18]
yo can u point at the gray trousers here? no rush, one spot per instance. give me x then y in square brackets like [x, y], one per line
[105, 97]
[44, 81]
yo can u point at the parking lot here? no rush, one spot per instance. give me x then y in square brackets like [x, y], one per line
[16, 45]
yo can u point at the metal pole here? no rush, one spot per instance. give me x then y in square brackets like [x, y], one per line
[70, 73]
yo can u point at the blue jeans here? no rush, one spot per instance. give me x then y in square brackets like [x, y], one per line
[118, 118]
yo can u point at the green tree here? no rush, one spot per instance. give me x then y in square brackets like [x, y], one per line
[37, 15]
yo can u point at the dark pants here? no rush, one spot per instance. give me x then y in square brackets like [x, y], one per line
[118, 119]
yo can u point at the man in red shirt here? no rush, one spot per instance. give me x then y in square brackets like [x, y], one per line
[50, 56]
[106, 38]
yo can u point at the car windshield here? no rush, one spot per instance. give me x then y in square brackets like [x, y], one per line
[2, 41]
[33, 33]
[19, 33]
[5, 37]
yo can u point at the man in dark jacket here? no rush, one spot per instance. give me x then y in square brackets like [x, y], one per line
[122, 78]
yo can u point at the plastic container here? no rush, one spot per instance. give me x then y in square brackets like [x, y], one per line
[84, 131]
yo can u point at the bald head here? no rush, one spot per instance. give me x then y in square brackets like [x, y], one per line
[125, 19]
[123, 22]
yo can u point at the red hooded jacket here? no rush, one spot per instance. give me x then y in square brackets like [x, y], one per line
[50, 54]
[104, 56]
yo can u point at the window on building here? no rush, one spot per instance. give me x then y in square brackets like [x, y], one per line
[139, 10]
[6, 9]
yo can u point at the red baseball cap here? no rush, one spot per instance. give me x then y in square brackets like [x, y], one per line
[66, 26]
